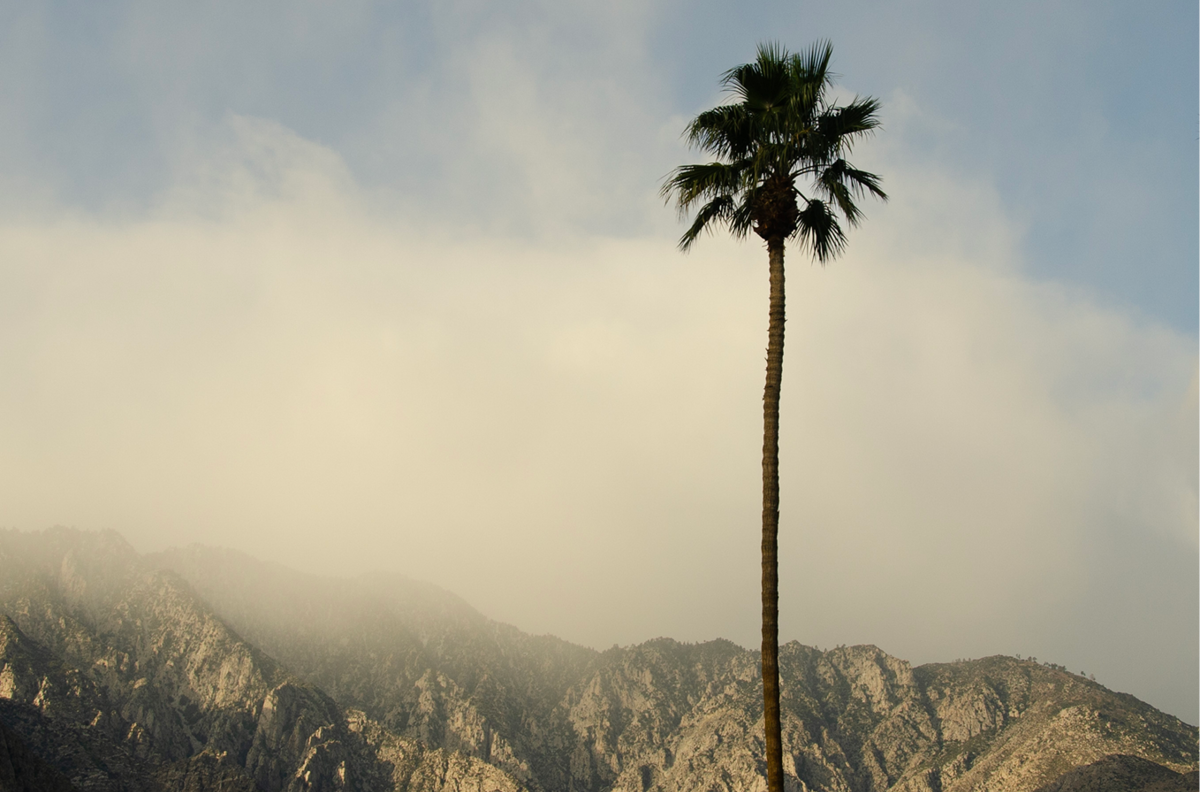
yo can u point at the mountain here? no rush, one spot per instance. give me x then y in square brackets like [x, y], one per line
[1118, 773]
[204, 669]
[416, 658]
[118, 676]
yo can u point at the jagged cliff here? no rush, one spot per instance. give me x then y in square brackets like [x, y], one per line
[207, 670]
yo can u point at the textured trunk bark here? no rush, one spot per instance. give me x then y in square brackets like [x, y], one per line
[770, 524]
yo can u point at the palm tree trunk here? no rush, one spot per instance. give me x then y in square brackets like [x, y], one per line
[770, 523]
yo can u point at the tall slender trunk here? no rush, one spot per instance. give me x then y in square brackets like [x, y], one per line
[770, 524]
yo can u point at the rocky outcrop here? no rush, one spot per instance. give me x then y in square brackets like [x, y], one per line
[22, 770]
[1121, 773]
[1013, 724]
[204, 772]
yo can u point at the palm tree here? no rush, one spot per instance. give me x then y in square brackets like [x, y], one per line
[782, 129]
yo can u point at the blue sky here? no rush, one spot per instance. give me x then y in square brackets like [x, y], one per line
[390, 284]
[1081, 115]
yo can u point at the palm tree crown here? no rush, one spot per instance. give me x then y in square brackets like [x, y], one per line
[782, 129]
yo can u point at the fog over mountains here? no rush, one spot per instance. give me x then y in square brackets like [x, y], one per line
[200, 669]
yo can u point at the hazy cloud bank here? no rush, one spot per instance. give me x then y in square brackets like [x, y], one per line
[566, 431]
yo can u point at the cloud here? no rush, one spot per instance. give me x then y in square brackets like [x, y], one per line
[566, 430]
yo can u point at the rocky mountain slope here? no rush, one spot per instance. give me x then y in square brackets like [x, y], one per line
[1118, 773]
[417, 659]
[119, 677]
[200, 669]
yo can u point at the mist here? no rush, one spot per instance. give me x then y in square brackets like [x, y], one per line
[564, 430]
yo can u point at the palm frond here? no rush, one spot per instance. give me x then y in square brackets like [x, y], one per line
[815, 60]
[719, 209]
[690, 183]
[841, 196]
[863, 182]
[741, 221]
[820, 231]
[811, 76]
[846, 123]
[725, 131]
[842, 183]
[762, 84]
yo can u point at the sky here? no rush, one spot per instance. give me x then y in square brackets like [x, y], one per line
[359, 285]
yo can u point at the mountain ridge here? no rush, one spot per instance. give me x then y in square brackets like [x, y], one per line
[255, 674]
